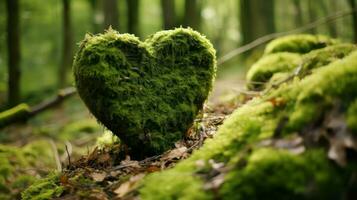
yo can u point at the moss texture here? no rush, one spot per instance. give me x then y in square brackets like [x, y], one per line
[272, 69]
[17, 113]
[254, 171]
[266, 67]
[14, 165]
[44, 189]
[352, 118]
[301, 43]
[147, 93]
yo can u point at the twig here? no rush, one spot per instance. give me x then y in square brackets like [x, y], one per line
[69, 157]
[269, 37]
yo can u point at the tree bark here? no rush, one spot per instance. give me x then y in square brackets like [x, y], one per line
[298, 13]
[192, 16]
[111, 14]
[133, 17]
[14, 54]
[168, 13]
[312, 14]
[67, 50]
[256, 19]
[354, 19]
[96, 15]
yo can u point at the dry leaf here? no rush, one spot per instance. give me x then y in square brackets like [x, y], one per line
[98, 176]
[128, 186]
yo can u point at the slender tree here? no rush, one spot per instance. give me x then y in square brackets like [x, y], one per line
[312, 13]
[192, 16]
[96, 15]
[256, 19]
[67, 50]
[111, 14]
[14, 56]
[330, 26]
[298, 13]
[133, 16]
[354, 18]
[168, 13]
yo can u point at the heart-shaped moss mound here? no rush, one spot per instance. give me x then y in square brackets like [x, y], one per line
[147, 93]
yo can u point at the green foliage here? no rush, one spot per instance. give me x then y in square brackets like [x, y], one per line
[44, 189]
[147, 93]
[302, 43]
[17, 113]
[273, 172]
[267, 66]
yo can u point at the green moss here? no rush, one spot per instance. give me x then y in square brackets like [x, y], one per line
[273, 173]
[267, 66]
[14, 162]
[79, 128]
[352, 117]
[44, 189]
[147, 93]
[301, 43]
[278, 174]
[17, 113]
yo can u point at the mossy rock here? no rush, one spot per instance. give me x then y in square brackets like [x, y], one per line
[300, 43]
[273, 69]
[266, 67]
[252, 166]
[147, 93]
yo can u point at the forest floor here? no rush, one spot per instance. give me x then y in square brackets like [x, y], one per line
[69, 136]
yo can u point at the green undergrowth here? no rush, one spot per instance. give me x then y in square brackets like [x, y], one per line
[252, 165]
[44, 189]
[21, 166]
[147, 93]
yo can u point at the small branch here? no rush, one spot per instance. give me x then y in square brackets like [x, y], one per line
[23, 112]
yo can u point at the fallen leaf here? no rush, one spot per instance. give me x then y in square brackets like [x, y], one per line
[128, 186]
[98, 176]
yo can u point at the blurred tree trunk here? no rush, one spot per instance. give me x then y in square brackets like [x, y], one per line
[168, 13]
[331, 25]
[256, 19]
[354, 18]
[111, 14]
[96, 15]
[14, 56]
[67, 50]
[192, 16]
[312, 14]
[298, 13]
[133, 17]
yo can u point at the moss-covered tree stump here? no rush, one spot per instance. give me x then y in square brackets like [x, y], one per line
[147, 93]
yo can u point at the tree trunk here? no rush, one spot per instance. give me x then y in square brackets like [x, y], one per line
[312, 14]
[67, 51]
[111, 14]
[333, 24]
[298, 13]
[96, 15]
[256, 19]
[354, 19]
[133, 17]
[168, 13]
[192, 16]
[330, 26]
[14, 56]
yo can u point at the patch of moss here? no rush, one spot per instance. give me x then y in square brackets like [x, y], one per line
[79, 128]
[267, 66]
[43, 189]
[352, 117]
[17, 113]
[300, 43]
[278, 174]
[147, 93]
[273, 173]
[14, 165]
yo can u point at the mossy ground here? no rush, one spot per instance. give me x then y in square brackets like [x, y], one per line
[147, 93]
[255, 155]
